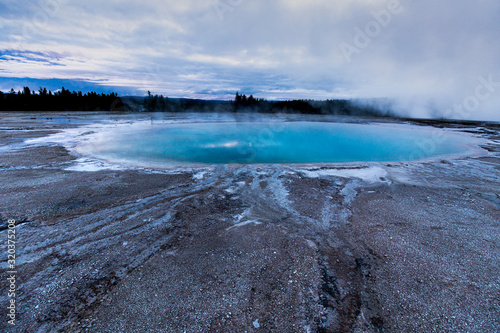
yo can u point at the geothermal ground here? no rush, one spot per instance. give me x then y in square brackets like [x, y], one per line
[378, 247]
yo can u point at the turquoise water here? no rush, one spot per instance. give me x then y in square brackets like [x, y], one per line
[274, 142]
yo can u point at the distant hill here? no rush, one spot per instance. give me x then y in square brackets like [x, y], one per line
[65, 100]
[244, 104]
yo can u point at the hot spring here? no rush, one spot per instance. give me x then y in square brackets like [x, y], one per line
[288, 142]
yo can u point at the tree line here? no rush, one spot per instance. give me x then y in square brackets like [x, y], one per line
[63, 100]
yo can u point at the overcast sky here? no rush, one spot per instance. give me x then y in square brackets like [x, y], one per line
[430, 58]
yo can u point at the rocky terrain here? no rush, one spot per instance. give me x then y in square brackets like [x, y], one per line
[378, 247]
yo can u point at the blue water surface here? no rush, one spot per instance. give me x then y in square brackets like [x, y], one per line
[299, 142]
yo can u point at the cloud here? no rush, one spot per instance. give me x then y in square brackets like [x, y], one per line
[427, 57]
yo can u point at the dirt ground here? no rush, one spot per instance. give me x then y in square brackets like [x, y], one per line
[255, 248]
